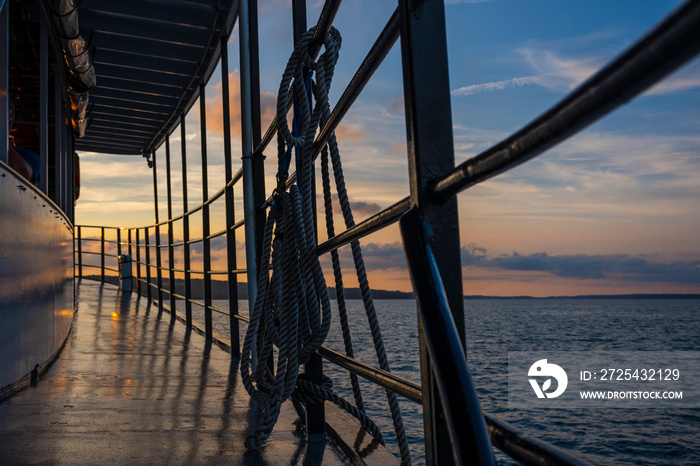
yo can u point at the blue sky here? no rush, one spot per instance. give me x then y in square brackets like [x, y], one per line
[612, 210]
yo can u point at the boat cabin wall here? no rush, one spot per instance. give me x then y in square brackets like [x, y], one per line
[36, 278]
[36, 206]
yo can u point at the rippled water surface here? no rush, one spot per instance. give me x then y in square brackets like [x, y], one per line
[496, 326]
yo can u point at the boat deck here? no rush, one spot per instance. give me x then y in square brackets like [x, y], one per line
[131, 387]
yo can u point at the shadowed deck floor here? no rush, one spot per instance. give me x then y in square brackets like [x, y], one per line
[130, 387]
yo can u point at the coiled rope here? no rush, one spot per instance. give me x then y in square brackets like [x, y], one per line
[292, 307]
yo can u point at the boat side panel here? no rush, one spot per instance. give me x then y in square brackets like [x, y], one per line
[36, 278]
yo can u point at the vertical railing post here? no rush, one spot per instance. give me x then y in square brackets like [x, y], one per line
[4, 77]
[148, 264]
[128, 239]
[431, 154]
[230, 213]
[138, 261]
[258, 162]
[171, 252]
[159, 274]
[102, 254]
[80, 251]
[119, 241]
[315, 413]
[186, 226]
[206, 251]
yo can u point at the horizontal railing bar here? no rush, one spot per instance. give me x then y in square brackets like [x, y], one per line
[238, 224]
[325, 21]
[376, 222]
[98, 227]
[98, 267]
[222, 311]
[525, 449]
[90, 252]
[216, 195]
[194, 241]
[396, 384]
[196, 303]
[217, 234]
[218, 311]
[217, 272]
[668, 46]
[178, 244]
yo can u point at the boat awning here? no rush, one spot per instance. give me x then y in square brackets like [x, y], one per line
[150, 57]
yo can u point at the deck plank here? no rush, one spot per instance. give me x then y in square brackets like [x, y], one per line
[130, 387]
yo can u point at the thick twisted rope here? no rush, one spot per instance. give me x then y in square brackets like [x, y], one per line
[287, 314]
[307, 393]
[292, 308]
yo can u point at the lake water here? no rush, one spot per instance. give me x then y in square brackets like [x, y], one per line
[496, 326]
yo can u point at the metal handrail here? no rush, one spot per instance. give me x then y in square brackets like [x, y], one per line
[664, 49]
[467, 430]
[374, 223]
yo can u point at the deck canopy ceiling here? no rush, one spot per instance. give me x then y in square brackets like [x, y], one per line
[149, 56]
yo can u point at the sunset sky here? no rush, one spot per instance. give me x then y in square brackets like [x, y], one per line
[613, 210]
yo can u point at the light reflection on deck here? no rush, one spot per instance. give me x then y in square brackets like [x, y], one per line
[132, 387]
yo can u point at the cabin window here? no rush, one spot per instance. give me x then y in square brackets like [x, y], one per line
[37, 88]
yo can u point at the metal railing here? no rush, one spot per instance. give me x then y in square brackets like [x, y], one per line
[450, 409]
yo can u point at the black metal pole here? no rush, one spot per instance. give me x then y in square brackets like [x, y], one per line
[131, 258]
[138, 262]
[258, 162]
[102, 253]
[467, 436]
[186, 225]
[80, 251]
[206, 243]
[315, 413]
[119, 241]
[159, 274]
[148, 264]
[171, 253]
[431, 154]
[230, 214]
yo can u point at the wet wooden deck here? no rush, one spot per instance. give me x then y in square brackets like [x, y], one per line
[131, 387]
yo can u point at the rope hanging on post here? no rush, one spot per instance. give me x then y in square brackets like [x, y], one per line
[292, 307]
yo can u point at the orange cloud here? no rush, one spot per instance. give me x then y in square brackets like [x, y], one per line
[215, 111]
[348, 133]
[397, 147]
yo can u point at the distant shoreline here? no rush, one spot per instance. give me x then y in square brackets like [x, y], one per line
[595, 296]
[220, 291]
